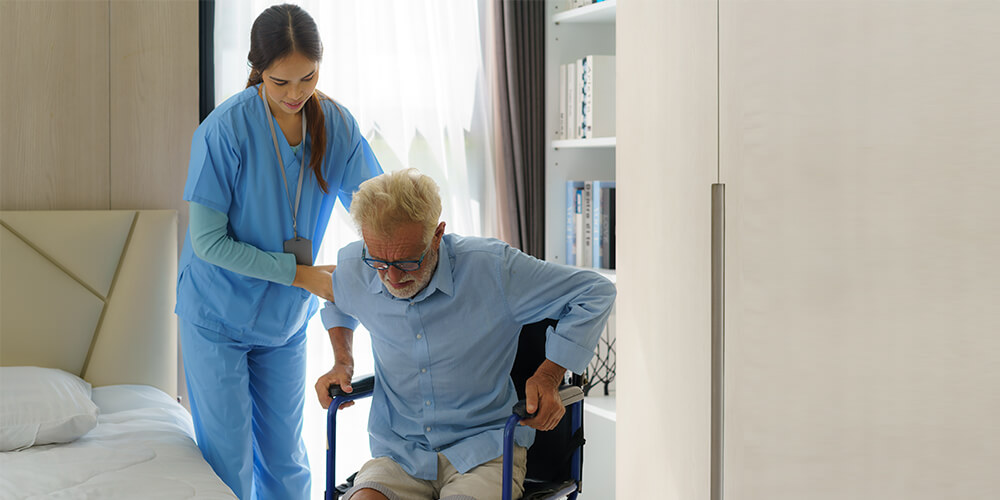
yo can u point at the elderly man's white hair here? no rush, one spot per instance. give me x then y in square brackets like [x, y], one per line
[385, 202]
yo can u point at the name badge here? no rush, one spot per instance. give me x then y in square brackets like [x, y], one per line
[302, 249]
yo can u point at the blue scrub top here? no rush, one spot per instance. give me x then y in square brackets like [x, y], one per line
[234, 170]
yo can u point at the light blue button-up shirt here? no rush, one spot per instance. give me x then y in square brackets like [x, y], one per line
[443, 358]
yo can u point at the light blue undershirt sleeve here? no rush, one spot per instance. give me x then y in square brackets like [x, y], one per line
[211, 242]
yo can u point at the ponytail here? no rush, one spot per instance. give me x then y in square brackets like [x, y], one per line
[317, 133]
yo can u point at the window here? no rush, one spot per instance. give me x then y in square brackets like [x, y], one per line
[412, 73]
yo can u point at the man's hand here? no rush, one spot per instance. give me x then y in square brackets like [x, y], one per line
[341, 375]
[541, 397]
[317, 280]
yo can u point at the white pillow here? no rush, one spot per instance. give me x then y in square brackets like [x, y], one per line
[43, 406]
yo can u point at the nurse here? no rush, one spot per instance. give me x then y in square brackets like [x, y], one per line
[266, 168]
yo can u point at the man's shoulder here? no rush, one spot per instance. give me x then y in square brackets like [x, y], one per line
[349, 255]
[470, 246]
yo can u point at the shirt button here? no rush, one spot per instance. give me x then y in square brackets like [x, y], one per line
[428, 403]
[428, 429]
[419, 336]
[423, 370]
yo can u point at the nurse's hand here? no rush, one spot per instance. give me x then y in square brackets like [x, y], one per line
[341, 375]
[317, 280]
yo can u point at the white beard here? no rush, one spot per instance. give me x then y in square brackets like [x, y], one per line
[417, 281]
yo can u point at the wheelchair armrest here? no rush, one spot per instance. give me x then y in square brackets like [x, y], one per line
[363, 386]
[569, 394]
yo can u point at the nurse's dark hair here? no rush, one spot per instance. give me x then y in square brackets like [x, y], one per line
[278, 32]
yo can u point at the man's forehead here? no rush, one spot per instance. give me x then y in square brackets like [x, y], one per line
[395, 246]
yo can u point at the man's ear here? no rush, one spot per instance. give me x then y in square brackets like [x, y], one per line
[438, 234]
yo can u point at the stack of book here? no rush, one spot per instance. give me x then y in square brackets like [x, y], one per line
[590, 224]
[587, 98]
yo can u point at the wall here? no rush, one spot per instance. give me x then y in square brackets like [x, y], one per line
[98, 104]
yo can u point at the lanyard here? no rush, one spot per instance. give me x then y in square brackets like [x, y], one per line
[281, 164]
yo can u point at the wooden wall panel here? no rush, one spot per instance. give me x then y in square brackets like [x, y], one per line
[154, 105]
[54, 145]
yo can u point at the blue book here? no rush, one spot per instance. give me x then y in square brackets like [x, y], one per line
[599, 222]
[574, 209]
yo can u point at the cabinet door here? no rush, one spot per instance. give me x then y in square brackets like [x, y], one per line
[859, 146]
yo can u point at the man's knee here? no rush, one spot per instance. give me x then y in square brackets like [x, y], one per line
[368, 494]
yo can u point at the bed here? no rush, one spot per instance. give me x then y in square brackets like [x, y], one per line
[88, 359]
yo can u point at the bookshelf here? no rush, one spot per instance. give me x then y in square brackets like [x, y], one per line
[597, 142]
[572, 33]
[595, 13]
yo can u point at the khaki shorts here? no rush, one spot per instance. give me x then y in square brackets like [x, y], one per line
[481, 483]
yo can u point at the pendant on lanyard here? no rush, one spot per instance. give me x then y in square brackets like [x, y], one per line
[300, 247]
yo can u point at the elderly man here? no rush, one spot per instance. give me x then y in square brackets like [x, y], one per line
[444, 313]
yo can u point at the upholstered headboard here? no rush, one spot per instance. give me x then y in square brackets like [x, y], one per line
[92, 293]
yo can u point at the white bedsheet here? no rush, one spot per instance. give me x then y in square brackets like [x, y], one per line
[142, 448]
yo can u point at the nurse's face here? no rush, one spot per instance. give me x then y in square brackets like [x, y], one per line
[290, 82]
[406, 244]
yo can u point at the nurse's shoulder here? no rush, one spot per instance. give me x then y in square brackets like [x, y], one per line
[340, 122]
[236, 116]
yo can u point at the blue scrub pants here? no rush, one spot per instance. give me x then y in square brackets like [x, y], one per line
[247, 403]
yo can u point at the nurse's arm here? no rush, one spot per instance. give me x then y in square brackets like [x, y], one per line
[342, 340]
[212, 243]
[317, 280]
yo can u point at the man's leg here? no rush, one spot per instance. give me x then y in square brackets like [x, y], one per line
[483, 482]
[383, 479]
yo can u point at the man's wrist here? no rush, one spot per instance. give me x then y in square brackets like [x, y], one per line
[551, 372]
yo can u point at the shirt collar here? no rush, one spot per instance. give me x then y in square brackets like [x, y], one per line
[442, 279]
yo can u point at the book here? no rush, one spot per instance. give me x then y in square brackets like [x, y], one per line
[574, 211]
[586, 257]
[561, 125]
[602, 223]
[599, 96]
[596, 226]
[611, 229]
[569, 89]
[579, 101]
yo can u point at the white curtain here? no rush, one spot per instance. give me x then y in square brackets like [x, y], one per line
[412, 72]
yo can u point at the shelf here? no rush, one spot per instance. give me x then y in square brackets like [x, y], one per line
[603, 406]
[597, 142]
[601, 12]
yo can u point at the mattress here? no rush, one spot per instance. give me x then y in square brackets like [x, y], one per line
[143, 447]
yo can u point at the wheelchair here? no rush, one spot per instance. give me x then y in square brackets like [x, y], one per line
[555, 460]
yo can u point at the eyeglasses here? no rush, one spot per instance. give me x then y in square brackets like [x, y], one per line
[403, 265]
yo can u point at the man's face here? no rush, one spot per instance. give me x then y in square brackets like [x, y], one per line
[405, 244]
